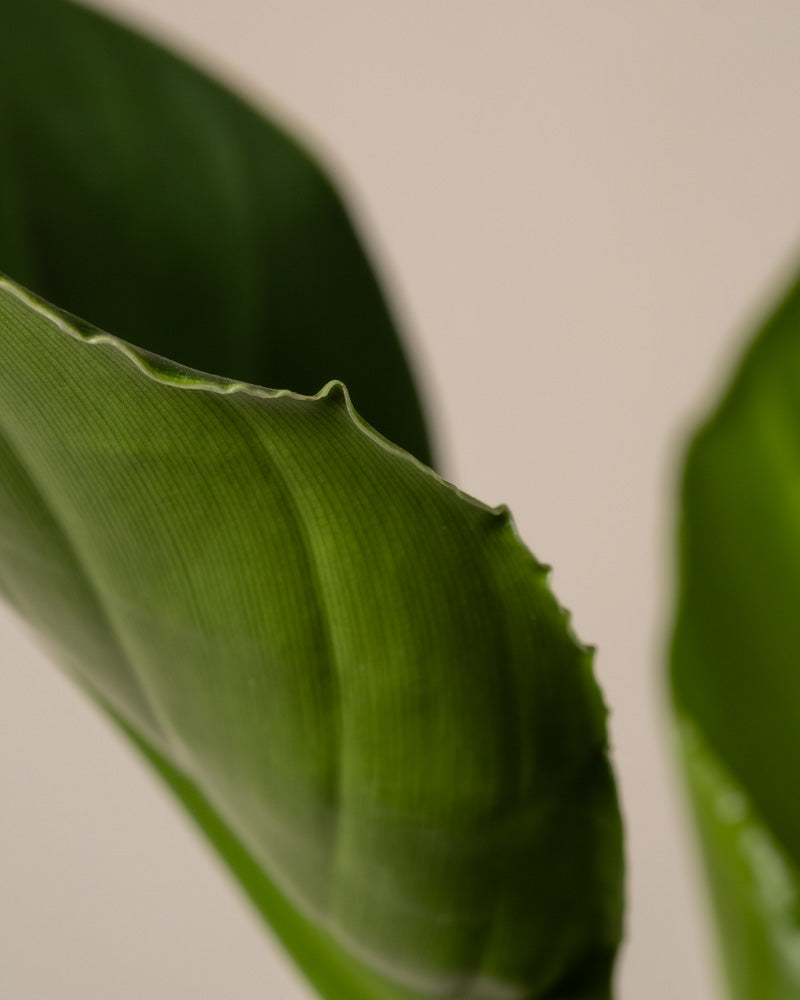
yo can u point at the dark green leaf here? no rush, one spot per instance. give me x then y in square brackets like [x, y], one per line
[145, 198]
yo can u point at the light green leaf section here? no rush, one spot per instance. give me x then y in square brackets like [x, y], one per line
[354, 676]
[755, 885]
[142, 196]
[735, 666]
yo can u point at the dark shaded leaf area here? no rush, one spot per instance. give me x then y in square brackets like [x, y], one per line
[143, 197]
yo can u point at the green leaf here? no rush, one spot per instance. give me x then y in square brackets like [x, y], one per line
[140, 195]
[355, 676]
[735, 652]
[352, 676]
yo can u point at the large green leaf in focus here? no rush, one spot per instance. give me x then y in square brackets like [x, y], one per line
[354, 676]
[144, 197]
[736, 658]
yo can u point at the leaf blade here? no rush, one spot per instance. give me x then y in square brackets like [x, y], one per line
[211, 516]
[733, 664]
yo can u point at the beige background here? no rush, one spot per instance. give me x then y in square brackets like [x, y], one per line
[578, 207]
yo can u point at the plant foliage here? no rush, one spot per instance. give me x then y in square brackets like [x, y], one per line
[734, 659]
[354, 676]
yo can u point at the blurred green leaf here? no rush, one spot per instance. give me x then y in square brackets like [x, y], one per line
[140, 195]
[354, 676]
[735, 654]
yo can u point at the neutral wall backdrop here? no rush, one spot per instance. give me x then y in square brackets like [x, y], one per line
[578, 208]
